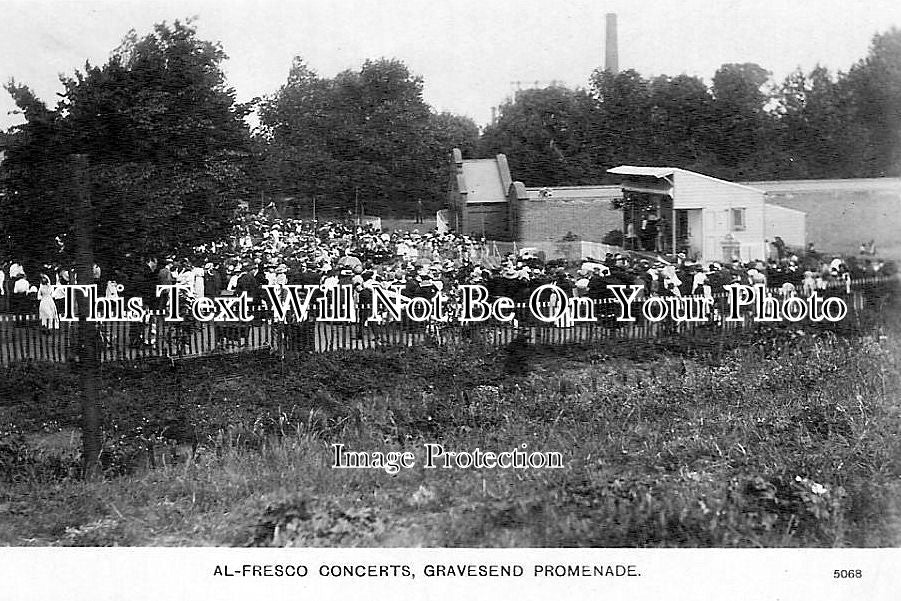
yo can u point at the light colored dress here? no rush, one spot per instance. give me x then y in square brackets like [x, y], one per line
[198, 281]
[47, 308]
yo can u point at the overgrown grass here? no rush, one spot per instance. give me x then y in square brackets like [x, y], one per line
[787, 438]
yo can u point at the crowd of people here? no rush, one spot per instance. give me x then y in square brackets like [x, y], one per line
[265, 249]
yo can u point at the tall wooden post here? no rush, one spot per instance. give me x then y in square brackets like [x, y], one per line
[675, 226]
[88, 360]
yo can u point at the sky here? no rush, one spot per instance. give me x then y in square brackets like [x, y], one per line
[469, 52]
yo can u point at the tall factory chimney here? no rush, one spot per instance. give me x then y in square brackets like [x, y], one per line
[611, 56]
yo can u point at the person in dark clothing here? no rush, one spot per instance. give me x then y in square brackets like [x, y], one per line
[224, 276]
[520, 290]
[411, 286]
[294, 275]
[649, 229]
[164, 277]
[310, 276]
[306, 330]
[597, 286]
[249, 284]
[563, 282]
[364, 301]
[260, 275]
[212, 281]
[717, 279]
[779, 244]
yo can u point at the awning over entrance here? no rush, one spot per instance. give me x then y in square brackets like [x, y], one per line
[647, 180]
[658, 172]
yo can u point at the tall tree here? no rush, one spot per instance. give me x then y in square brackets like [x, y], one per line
[544, 133]
[621, 123]
[745, 129]
[364, 134]
[817, 131]
[874, 86]
[33, 179]
[681, 122]
[166, 145]
[454, 131]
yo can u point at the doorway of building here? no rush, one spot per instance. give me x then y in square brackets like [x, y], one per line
[689, 232]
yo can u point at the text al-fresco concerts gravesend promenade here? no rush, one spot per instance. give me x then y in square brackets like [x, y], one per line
[460, 570]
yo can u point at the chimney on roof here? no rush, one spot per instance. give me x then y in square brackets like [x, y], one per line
[611, 56]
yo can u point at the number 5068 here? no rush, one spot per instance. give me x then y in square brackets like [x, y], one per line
[848, 574]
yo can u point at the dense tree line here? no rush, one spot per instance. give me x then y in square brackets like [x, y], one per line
[741, 127]
[170, 154]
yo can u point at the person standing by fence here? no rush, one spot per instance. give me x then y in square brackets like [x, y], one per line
[46, 306]
[19, 298]
[59, 293]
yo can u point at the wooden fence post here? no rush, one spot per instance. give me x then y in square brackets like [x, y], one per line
[88, 349]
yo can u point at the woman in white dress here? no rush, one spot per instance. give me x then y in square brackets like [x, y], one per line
[46, 306]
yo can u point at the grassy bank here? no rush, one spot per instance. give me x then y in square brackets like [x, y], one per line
[785, 438]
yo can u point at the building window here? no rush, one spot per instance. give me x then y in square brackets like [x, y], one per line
[738, 220]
